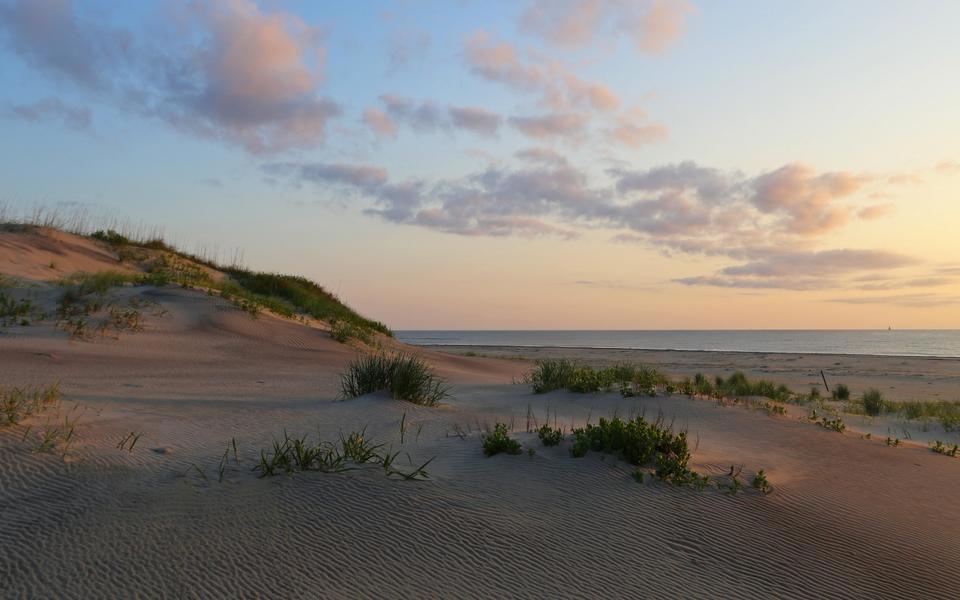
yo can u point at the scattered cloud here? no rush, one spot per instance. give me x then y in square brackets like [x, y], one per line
[477, 120]
[559, 88]
[651, 25]
[948, 167]
[75, 117]
[379, 123]
[559, 125]
[542, 156]
[231, 72]
[926, 300]
[877, 211]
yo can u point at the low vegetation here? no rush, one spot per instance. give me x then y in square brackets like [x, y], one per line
[404, 376]
[564, 374]
[18, 403]
[643, 444]
[872, 401]
[293, 455]
[550, 436]
[286, 295]
[499, 441]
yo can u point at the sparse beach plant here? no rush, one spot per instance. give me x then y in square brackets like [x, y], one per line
[841, 392]
[549, 436]
[499, 441]
[760, 482]
[404, 376]
[872, 402]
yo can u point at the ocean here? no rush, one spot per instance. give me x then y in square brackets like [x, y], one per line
[906, 342]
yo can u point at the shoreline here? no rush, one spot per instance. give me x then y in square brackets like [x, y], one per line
[629, 348]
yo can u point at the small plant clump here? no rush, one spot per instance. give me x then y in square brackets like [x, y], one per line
[872, 402]
[841, 392]
[293, 455]
[941, 448]
[499, 441]
[549, 436]
[564, 374]
[836, 424]
[405, 377]
[760, 482]
[640, 443]
[18, 403]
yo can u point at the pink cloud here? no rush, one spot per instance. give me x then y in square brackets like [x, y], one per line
[555, 125]
[652, 25]
[379, 123]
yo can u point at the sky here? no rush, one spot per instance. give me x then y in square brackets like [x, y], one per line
[540, 164]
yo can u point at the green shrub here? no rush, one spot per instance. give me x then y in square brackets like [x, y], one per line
[872, 402]
[841, 392]
[640, 443]
[404, 376]
[549, 436]
[498, 441]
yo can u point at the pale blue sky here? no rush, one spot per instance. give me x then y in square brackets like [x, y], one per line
[863, 95]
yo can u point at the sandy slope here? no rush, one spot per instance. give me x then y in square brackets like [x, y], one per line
[848, 517]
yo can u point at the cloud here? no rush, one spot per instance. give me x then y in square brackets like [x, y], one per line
[427, 117]
[571, 125]
[876, 211]
[542, 156]
[477, 120]
[806, 200]
[678, 208]
[227, 72]
[423, 116]
[794, 284]
[379, 123]
[629, 133]
[908, 283]
[652, 25]
[76, 117]
[360, 176]
[824, 262]
[929, 300]
[558, 87]
[51, 36]
[948, 167]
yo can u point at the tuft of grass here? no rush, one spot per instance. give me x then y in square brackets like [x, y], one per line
[293, 455]
[344, 331]
[841, 392]
[19, 403]
[499, 441]
[564, 374]
[872, 402]
[404, 376]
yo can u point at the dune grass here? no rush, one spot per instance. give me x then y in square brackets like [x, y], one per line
[286, 295]
[298, 454]
[404, 376]
[564, 374]
[636, 380]
[18, 403]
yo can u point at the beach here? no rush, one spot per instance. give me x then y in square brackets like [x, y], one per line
[158, 493]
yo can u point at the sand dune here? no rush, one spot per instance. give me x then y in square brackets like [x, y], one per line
[847, 518]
